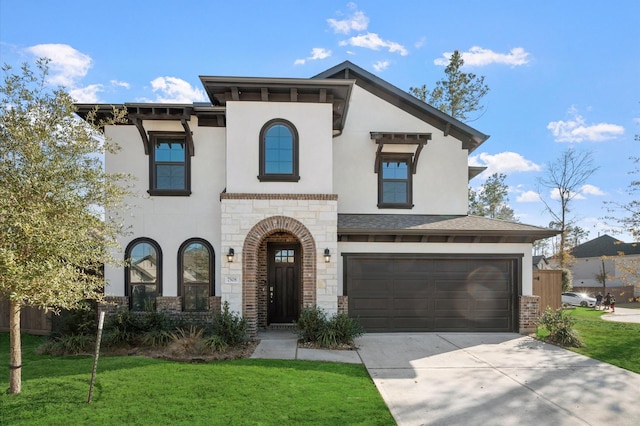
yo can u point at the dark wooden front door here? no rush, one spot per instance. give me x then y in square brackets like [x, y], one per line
[284, 282]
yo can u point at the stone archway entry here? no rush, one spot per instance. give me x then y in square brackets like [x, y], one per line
[255, 312]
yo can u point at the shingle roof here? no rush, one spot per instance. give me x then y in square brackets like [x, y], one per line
[605, 245]
[454, 228]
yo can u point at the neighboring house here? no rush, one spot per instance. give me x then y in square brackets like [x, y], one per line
[340, 191]
[540, 262]
[609, 253]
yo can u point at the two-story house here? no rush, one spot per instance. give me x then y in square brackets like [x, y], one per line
[340, 191]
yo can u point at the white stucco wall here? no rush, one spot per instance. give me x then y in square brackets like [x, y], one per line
[441, 183]
[443, 248]
[313, 122]
[170, 220]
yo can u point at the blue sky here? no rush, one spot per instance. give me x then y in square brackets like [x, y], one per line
[562, 74]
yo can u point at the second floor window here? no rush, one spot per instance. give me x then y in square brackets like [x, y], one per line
[395, 183]
[279, 152]
[169, 169]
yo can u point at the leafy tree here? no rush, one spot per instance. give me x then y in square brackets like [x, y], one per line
[53, 197]
[459, 94]
[491, 200]
[564, 177]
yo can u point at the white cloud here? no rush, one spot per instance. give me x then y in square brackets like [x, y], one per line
[576, 129]
[591, 190]
[316, 53]
[528, 197]
[503, 162]
[67, 65]
[418, 44]
[175, 90]
[358, 21]
[478, 56]
[120, 84]
[381, 65]
[374, 42]
[88, 94]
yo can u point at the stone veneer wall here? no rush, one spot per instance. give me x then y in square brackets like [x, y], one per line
[247, 220]
[529, 314]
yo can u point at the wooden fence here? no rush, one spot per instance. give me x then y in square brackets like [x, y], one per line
[547, 284]
[32, 320]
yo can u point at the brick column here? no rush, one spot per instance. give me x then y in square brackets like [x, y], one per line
[529, 314]
[343, 304]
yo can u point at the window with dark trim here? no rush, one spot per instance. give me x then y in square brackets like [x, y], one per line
[279, 152]
[143, 274]
[195, 274]
[169, 164]
[395, 181]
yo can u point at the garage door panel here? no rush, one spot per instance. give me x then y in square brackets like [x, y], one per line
[371, 304]
[411, 266]
[372, 268]
[372, 285]
[410, 293]
[412, 324]
[410, 287]
[419, 305]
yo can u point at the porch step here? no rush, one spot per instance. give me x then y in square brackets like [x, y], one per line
[283, 326]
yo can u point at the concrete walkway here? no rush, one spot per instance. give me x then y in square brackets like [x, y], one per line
[623, 315]
[283, 344]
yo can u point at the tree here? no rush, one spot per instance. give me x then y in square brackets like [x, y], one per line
[459, 94]
[602, 276]
[53, 197]
[630, 219]
[492, 199]
[564, 177]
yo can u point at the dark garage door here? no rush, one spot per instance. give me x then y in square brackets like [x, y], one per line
[417, 293]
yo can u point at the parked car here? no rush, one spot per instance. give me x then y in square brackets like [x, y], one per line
[578, 299]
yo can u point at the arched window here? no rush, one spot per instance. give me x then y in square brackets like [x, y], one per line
[279, 152]
[196, 271]
[143, 280]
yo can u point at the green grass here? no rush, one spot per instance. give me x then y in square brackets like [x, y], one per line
[616, 343]
[141, 391]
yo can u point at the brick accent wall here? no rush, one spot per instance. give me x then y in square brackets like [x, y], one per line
[250, 221]
[169, 304]
[114, 304]
[529, 314]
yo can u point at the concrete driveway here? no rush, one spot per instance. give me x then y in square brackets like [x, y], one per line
[495, 379]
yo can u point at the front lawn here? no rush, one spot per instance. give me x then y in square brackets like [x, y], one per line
[136, 390]
[616, 343]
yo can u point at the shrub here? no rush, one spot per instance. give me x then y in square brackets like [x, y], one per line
[131, 328]
[77, 321]
[346, 328]
[560, 327]
[230, 326]
[155, 338]
[311, 322]
[188, 341]
[215, 343]
[70, 344]
[314, 326]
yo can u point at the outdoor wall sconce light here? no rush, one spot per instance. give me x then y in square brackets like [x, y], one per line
[230, 255]
[327, 255]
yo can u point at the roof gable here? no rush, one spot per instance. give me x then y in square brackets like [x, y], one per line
[470, 137]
